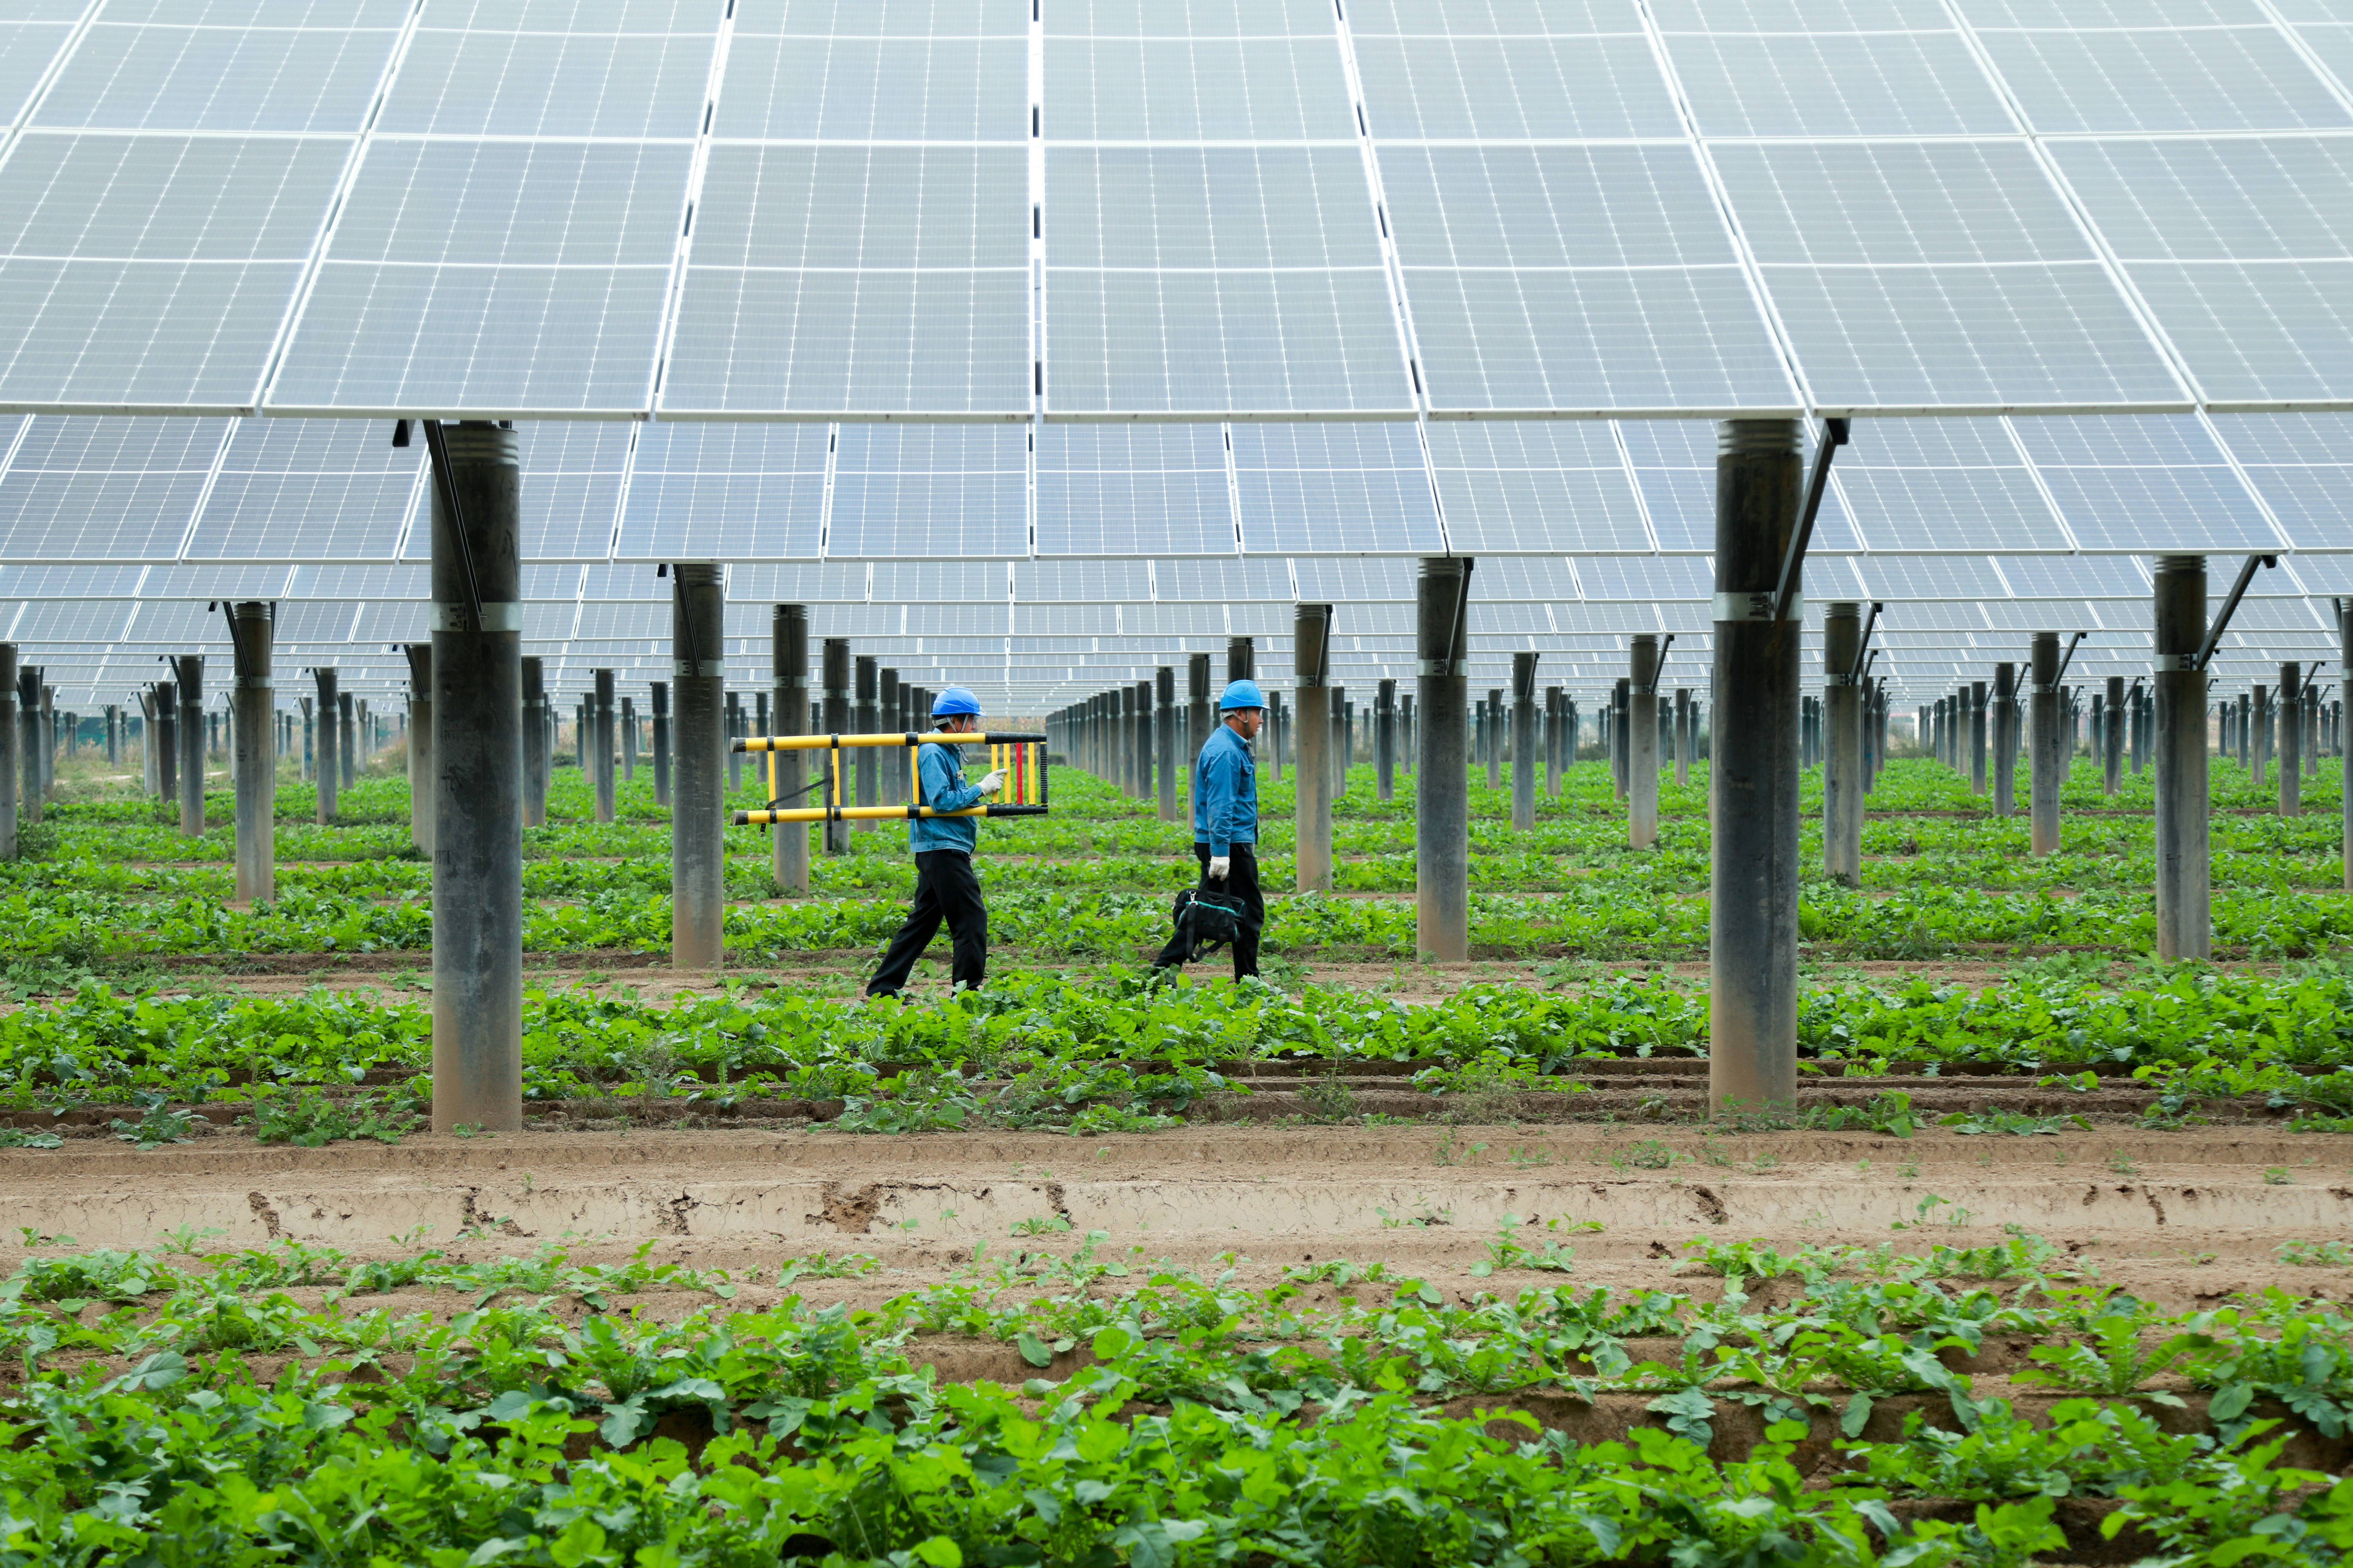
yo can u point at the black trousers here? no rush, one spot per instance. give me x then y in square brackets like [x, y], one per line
[1242, 882]
[946, 889]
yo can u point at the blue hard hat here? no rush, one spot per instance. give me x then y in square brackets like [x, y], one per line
[954, 699]
[1241, 694]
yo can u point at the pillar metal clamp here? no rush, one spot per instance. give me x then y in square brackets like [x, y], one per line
[707, 669]
[2173, 664]
[1758, 606]
[492, 616]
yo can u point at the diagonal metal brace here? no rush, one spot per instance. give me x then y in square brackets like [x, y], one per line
[2067, 659]
[1863, 648]
[1834, 435]
[2230, 609]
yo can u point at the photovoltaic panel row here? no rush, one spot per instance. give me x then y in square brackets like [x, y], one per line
[81, 488]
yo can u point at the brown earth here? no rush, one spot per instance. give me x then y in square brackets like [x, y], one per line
[2181, 1218]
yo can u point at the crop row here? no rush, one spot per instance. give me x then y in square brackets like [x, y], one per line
[1589, 919]
[1051, 1047]
[1185, 1421]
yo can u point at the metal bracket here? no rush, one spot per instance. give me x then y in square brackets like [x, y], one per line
[2068, 657]
[2230, 607]
[1835, 436]
[1862, 647]
[436, 447]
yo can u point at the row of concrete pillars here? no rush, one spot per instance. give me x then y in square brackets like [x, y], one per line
[487, 736]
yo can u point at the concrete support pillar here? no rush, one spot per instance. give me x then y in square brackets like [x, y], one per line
[1523, 743]
[2004, 706]
[1754, 773]
[2262, 721]
[788, 677]
[253, 762]
[1621, 706]
[44, 719]
[188, 675]
[1140, 747]
[477, 783]
[1344, 753]
[868, 718]
[698, 866]
[2108, 734]
[2184, 888]
[1163, 741]
[1683, 738]
[657, 696]
[2047, 742]
[2291, 739]
[1842, 784]
[1442, 785]
[601, 737]
[1198, 697]
[12, 746]
[1241, 659]
[1385, 740]
[421, 770]
[629, 738]
[165, 744]
[1642, 744]
[538, 743]
[1311, 642]
[113, 737]
[347, 738]
[309, 743]
[1977, 706]
[1408, 734]
[890, 785]
[2344, 700]
[1491, 733]
[835, 678]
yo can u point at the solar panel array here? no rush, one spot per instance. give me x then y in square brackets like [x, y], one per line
[1002, 209]
[1077, 335]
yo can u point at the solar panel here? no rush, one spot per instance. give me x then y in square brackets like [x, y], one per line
[28, 47]
[151, 272]
[1354, 582]
[1219, 583]
[307, 490]
[912, 491]
[1947, 486]
[720, 492]
[210, 584]
[2145, 484]
[2144, 78]
[316, 75]
[2243, 249]
[2073, 577]
[1133, 490]
[1576, 74]
[83, 488]
[857, 280]
[1938, 277]
[1828, 83]
[491, 277]
[2302, 466]
[1666, 577]
[635, 71]
[1081, 582]
[1551, 279]
[1560, 487]
[1307, 490]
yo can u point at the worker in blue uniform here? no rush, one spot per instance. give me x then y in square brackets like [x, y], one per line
[1224, 822]
[945, 886]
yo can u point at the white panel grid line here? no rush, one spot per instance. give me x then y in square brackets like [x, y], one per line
[300, 303]
[2119, 276]
[683, 252]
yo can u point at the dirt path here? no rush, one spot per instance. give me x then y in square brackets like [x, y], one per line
[2179, 1218]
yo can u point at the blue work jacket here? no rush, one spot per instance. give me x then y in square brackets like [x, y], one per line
[940, 766]
[1225, 792]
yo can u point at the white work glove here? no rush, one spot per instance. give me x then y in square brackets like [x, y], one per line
[1218, 866]
[992, 784]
